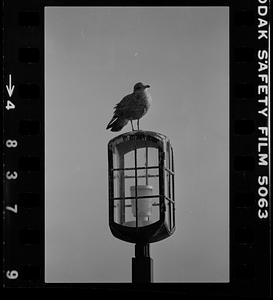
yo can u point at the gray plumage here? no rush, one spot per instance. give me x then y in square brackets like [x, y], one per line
[132, 107]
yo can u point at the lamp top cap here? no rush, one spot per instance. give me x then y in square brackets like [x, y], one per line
[140, 134]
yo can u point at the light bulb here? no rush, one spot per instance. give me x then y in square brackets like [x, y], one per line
[144, 205]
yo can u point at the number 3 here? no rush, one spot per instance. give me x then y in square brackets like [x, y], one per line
[11, 175]
[263, 215]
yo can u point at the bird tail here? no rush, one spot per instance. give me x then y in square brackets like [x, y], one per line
[116, 124]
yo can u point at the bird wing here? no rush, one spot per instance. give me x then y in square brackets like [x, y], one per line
[125, 105]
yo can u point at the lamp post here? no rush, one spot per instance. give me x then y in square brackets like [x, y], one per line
[141, 194]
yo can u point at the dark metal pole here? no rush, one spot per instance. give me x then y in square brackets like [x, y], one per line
[142, 264]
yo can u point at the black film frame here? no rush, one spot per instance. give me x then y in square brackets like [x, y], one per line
[23, 174]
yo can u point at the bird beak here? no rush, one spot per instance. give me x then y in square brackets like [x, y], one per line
[147, 86]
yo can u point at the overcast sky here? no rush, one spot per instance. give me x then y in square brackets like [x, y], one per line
[93, 57]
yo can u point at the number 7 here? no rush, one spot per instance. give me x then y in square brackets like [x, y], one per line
[13, 209]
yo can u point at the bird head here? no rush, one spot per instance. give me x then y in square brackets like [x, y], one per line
[140, 86]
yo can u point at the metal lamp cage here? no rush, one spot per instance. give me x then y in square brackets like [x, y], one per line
[141, 187]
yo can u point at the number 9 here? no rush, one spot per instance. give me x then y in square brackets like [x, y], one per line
[12, 274]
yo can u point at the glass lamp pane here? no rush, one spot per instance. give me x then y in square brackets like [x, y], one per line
[119, 211]
[152, 157]
[141, 157]
[167, 214]
[116, 176]
[129, 160]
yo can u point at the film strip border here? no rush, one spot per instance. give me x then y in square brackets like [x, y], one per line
[23, 105]
[249, 145]
[24, 154]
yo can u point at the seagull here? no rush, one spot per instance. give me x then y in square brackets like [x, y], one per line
[132, 107]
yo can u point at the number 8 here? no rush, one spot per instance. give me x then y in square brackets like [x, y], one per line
[11, 143]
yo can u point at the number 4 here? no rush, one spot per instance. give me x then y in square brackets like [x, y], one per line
[13, 209]
[10, 105]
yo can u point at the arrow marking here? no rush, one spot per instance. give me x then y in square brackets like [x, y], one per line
[10, 87]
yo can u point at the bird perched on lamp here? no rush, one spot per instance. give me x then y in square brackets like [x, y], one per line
[132, 107]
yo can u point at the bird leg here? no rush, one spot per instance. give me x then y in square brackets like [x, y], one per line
[132, 125]
[137, 124]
